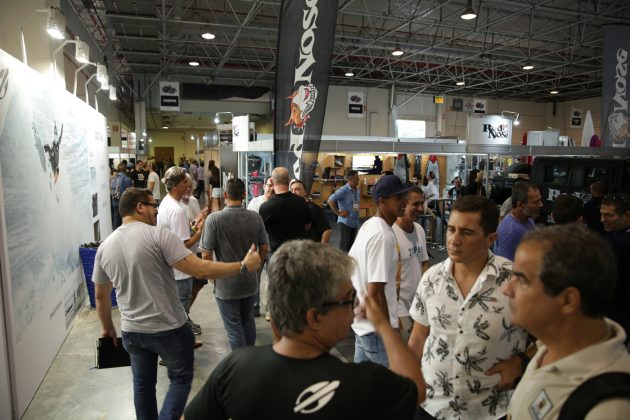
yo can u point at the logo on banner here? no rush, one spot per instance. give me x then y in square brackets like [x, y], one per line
[618, 120]
[302, 103]
[497, 131]
[4, 82]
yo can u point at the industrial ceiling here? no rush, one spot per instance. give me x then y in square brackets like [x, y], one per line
[562, 39]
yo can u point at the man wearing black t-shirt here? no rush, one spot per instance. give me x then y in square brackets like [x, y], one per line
[320, 230]
[311, 300]
[139, 175]
[286, 215]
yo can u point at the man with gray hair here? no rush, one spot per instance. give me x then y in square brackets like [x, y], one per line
[311, 299]
[526, 205]
[172, 216]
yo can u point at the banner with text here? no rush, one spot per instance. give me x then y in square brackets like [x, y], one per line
[615, 83]
[169, 96]
[305, 45]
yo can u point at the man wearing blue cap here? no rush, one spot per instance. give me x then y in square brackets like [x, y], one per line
[378, 259]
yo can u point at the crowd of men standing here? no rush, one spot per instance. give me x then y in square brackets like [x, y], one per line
[511, 302]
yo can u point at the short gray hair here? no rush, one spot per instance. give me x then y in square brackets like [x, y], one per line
[520, 190]
[304, 274]
[173, 176]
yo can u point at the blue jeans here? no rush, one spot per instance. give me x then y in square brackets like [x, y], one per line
[238, 319]
[370, 347]
[175, 347]
[184, 292]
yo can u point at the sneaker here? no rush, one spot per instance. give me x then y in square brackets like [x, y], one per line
[198, 344]
[196, 328]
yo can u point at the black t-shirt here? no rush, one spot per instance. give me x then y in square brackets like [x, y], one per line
[139, 178]
[620, 309]
[592, 216]
[319, 223]
[285, 216]
[257, 383]
[214, 178]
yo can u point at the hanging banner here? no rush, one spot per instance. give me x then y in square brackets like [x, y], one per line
[305, 45]
[576, 118]
[489, 129]
[240, 133]
[479, 106]
[169, 96]
[356, 105]
[615, 86]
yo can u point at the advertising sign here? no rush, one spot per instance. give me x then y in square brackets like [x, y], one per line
[576, 118]
[240, 133]
[356, 105]
[490, 129]
[169, 96]
[305, 43]
[479, 106]
[615, 86]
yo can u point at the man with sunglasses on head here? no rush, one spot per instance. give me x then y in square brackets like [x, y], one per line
[615, 216]
[311, 299]
[138, 260]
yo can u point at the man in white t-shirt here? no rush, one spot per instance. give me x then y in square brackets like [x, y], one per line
[172, 216]
[376, 252]
[414, 259]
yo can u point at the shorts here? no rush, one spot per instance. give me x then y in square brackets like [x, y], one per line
[216, 192]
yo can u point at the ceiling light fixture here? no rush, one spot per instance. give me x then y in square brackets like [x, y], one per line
[512, 114]
[165, 127]
[193, 63]
[528, 66]
[113, 95]
[82, 51]
[397, 51]
[56, 23]
[349, 73]
[460, 83]
[101, 73]
[469, 13]
[208, 35]
[554, 92]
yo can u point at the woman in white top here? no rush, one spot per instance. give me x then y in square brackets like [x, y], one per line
[154, 181]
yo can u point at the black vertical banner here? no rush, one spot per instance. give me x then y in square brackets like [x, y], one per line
[615, 86]
[305, 43]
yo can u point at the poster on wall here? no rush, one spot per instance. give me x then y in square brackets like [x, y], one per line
[479, 106]
[458, 104]
[576, 118]
[169, 96]
[356, 105]
[489, 129]
[54, 189]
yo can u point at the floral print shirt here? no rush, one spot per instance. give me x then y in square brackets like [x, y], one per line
[467, 337]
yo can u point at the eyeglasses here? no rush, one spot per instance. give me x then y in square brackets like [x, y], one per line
[354, 302]
[146, 203]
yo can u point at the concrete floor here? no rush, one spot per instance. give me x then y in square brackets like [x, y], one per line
[74, 389]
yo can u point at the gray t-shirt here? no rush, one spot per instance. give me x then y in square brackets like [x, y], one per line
[230, 233]
[137, 259]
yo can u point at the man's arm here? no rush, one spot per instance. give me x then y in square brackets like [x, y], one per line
[511, 369]
[376, 291]
[201, 269]
[418, 336]
[425, 266]
[326, 236]
[401, 359]
[102, 293]
[335, 209]
[263, 250]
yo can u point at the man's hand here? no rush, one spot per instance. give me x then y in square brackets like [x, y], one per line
[110, 332]
[510, 370]
[344, 213]
[252, 259]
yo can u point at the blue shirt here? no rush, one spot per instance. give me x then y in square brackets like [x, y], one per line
[344, 198]
[509, 235]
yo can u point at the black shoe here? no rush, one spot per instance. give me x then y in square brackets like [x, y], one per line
[256, 312]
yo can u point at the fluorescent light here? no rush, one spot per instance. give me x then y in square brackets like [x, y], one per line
[460, 83]
[207, 35]
[82, 51]
[101, 73]
[397, 51]
[56, 23]
[528, 66]
[349, 73]
[554, 92]
[165, 127]
[193, 63]
[469, 13]
[113, 95]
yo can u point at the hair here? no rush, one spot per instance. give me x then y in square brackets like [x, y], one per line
[280, 176]
[456, 178]
[121, 167]
[599, 187]
[488, 211]
[621, 202]
[153, 165]
[472, 176]
[351, 173]
[576, 257]
[210, 163]
[304, 274]
[235, 189]
[297, 181]
[519, 192]
[173, 176]
[415, 189]
[130, 198]
[431, 175]
[566, 209]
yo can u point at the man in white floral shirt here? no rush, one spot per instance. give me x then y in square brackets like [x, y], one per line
[471, 354]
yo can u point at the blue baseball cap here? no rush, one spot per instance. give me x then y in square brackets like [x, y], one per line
[389, 185]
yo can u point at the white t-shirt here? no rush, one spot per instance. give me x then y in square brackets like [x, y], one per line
[172, 216]
[413, 251]
[155, 178]
[432, 192]
[376, 256]
[256, 202]
[192, 211]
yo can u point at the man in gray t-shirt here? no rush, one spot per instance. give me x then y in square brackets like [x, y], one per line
[229, 233]
[138, 259]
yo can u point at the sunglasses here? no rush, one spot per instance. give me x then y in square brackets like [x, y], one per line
[146, 203]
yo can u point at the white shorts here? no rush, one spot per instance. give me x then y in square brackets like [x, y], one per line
[216, 192]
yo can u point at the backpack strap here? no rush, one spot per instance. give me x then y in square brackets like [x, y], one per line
[594, 391]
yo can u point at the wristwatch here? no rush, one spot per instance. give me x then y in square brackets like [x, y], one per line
[243, 267]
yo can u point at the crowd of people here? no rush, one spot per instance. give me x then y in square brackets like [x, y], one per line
[513, 322]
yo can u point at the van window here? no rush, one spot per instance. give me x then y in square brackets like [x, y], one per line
[556, 173]
[595, 174]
